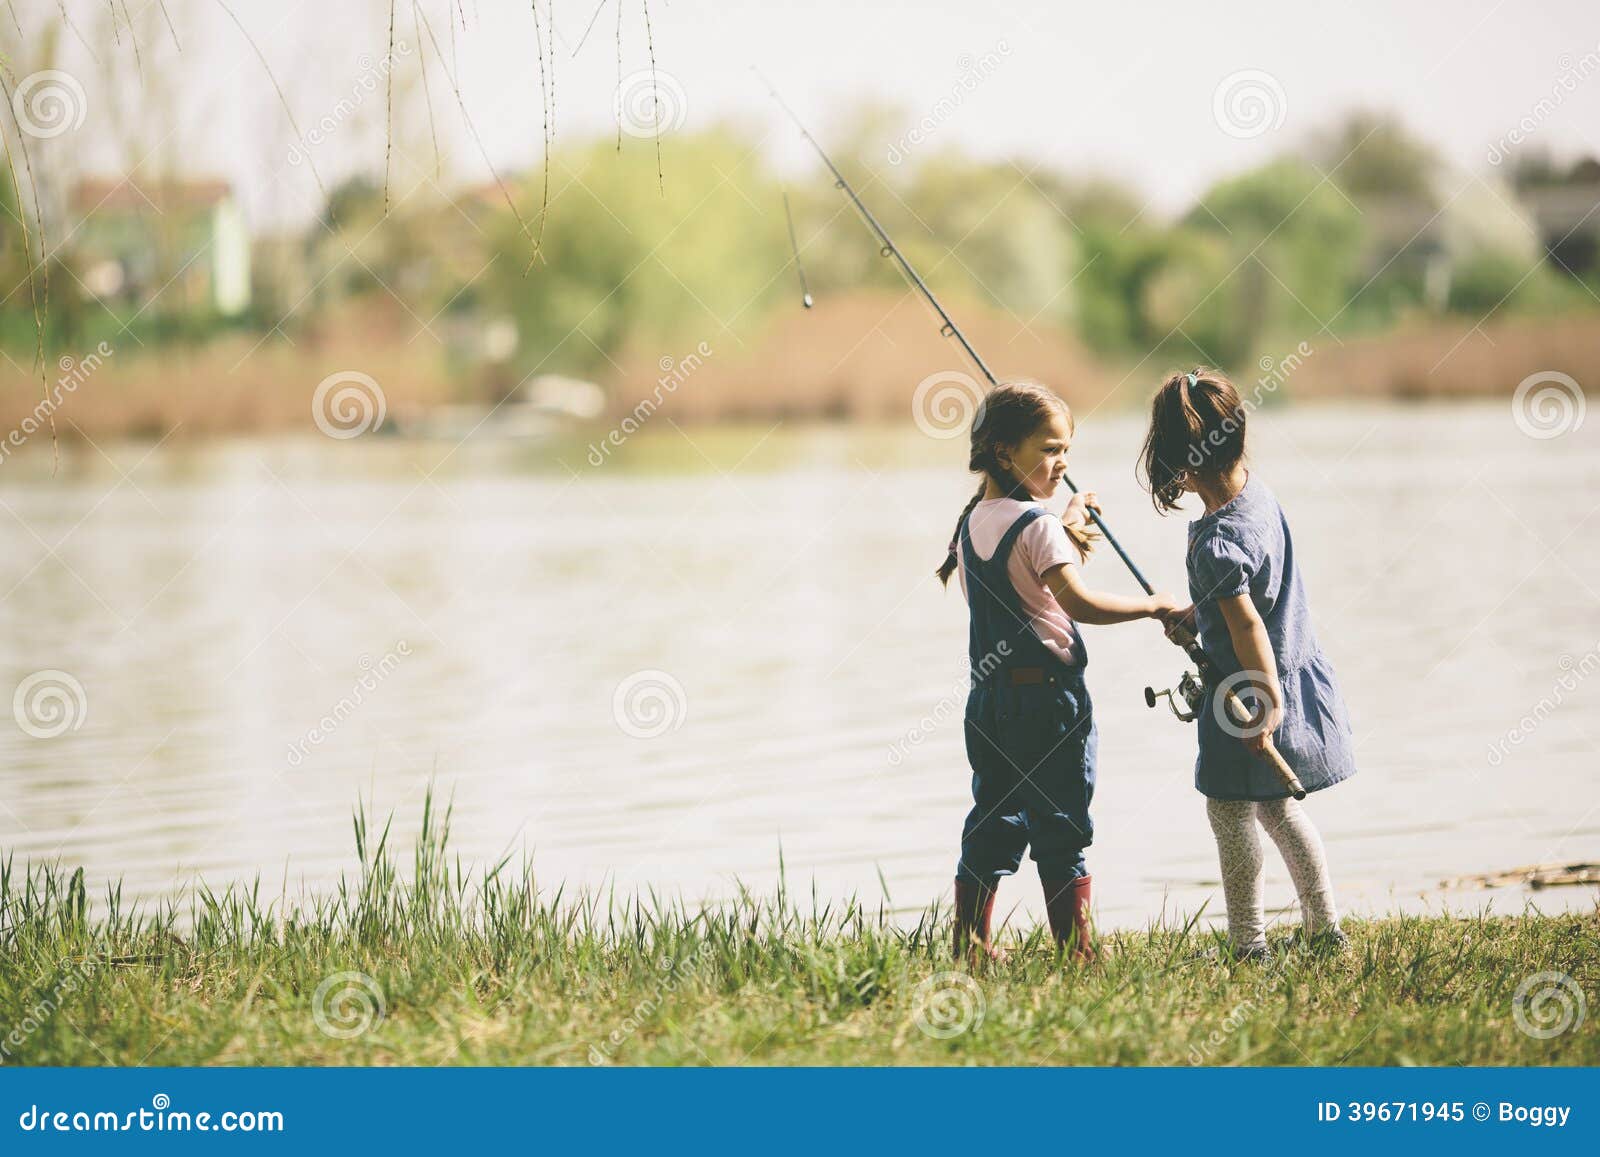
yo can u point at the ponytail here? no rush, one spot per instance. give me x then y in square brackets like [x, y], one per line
[1196, 427]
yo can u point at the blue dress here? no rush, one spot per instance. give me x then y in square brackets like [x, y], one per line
[1245, 547]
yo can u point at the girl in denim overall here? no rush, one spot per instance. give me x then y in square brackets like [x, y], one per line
[1030, 732]
[1252, 619]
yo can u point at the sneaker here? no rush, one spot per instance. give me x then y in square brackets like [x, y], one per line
[1252, 954]
[1328, 942]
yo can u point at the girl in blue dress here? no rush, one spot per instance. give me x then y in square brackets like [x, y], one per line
[1249, 610]
[1029, 723]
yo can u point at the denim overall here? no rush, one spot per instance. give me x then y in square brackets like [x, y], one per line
[1030, 733]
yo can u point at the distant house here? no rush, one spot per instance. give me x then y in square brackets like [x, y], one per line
[182, 243]
[1408, 234]
[1568, 218]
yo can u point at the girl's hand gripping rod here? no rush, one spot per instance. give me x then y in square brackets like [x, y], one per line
[1195, 694]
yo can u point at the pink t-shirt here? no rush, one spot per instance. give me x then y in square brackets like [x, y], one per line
[1042, 545]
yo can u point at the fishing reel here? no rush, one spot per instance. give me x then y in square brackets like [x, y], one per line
[1188, 689]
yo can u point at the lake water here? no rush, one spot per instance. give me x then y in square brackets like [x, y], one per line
[265, 632]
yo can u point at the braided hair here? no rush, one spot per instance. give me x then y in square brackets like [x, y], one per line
[1007, 416]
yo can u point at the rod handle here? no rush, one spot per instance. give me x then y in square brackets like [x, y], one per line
[1285, 772]
[1235, 707]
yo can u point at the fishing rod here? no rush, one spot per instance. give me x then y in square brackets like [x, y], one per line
[948, 327]
[1190, 687]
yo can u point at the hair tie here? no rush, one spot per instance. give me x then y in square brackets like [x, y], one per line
[1191, 379]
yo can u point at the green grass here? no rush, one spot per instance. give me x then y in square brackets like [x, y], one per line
[487, 969]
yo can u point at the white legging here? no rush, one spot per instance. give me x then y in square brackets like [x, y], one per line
[1239, 850]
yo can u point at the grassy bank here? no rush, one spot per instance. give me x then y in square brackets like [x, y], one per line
[443, 967]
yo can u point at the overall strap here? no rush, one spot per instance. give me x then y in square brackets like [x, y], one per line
[997, 612]
[996, 608]
[1002, 552]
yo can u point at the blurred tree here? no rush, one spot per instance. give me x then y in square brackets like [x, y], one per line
[353, 203]
[984, 229]
[627, 261]
[1118, 252]
[1372, 154]
[1281, 251]
[16, 318]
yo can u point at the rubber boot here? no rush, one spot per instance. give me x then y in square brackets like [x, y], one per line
[1067, 904]
[974, 911]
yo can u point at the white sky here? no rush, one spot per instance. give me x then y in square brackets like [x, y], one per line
[1124, 88]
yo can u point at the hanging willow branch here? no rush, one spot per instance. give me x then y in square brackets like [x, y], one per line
[547, 97]
[138, 59]
[616, 100]
[283, 100]
[589, 27]
[427, 99]
[388, 123]
[41, 300]
[167, 16]
[67, 20]
[466, 118]
[655, 95]
[545, 39]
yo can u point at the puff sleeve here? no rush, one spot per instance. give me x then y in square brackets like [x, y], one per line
[1220, 568]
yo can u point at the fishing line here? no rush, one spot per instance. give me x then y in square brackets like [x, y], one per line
[805, 293]
[948, 327]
